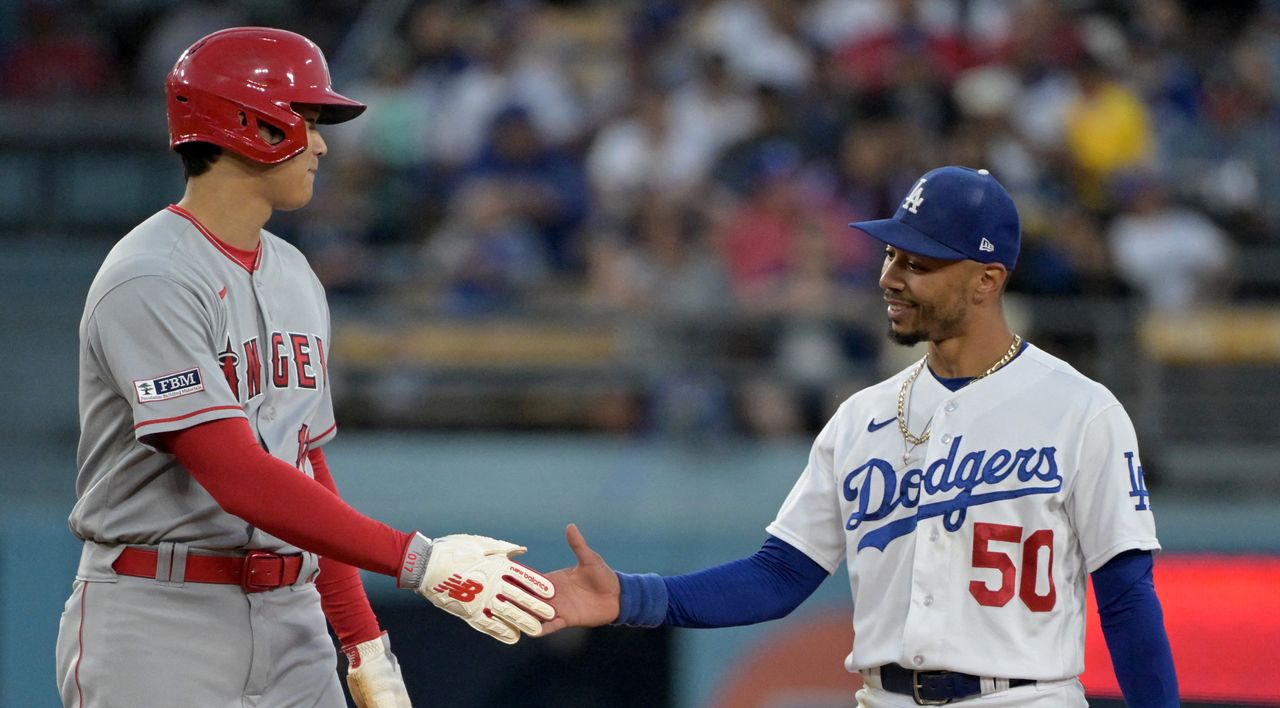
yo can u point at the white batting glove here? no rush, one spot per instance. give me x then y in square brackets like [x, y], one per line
[474, 578]
[373, 675]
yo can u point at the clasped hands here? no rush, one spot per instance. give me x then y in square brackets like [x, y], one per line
[474, 578]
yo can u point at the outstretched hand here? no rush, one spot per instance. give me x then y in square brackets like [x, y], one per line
[587, 594]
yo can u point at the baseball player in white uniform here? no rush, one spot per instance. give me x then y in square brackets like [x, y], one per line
[969, 495]
[215, 542]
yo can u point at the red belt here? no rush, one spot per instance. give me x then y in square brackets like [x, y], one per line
[255, 571]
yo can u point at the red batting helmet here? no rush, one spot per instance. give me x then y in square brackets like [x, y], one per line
[228, 82]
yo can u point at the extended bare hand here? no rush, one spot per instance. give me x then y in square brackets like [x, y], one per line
[587, 594]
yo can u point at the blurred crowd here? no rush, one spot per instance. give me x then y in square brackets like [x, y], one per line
[701, 158]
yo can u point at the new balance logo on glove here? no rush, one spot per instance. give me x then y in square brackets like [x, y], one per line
[459, 589]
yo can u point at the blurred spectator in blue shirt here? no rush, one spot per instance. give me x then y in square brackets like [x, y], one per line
[487, 256]
[543, 185]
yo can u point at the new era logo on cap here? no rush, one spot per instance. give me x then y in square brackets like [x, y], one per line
[953, 213]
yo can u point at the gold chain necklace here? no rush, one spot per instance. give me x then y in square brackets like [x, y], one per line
[915, 440]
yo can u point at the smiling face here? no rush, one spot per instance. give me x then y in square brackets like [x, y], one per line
[928, 299]
[290, 184]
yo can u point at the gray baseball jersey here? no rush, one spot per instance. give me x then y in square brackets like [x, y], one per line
[970, 552]
[177, 332]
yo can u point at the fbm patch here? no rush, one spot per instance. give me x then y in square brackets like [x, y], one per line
[169, 386]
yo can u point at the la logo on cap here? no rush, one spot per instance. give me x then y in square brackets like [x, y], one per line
[915, 198]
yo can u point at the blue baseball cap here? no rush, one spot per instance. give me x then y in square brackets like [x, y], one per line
[953, 213]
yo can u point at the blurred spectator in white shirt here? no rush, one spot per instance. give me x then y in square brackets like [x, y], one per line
[711, 111]
[1172, 254]
[761, 40]
[638, 153]
[515, 67]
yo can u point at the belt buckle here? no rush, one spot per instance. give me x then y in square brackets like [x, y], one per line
[920, 700]
[247, 570]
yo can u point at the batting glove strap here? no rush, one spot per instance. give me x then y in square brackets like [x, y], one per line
[414, 566]
[643, 600]
[373, 675]
[368, 651]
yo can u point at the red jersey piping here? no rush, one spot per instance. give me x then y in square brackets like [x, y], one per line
[249, 260]
[321, 435]
[84, 594]
[188, 415]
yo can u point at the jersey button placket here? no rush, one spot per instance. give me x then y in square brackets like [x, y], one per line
[266, 409]
[928, 571]
[949, 407]
[930, 562]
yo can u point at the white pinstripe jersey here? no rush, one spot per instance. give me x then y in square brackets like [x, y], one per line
[177, 332]
[972, 556]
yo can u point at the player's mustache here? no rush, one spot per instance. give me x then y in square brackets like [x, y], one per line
[898, 297]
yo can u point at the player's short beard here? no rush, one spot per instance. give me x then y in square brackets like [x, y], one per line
[933, 325]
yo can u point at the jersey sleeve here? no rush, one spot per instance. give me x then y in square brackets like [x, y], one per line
[810, 517]
[154, 343]
[1109, 504]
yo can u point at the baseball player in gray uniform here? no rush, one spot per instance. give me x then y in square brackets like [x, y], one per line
[969, 496]
[215, 542]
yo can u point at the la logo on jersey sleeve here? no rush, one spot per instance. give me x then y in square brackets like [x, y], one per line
[1137, 482]
[162, 388]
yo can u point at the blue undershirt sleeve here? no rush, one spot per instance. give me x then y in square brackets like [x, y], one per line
[767, 585]
[1133, 625]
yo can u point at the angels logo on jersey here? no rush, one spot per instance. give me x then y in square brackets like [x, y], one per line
[877, 490]
[292, 364]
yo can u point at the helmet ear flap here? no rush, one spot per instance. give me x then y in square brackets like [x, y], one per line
[269, 132]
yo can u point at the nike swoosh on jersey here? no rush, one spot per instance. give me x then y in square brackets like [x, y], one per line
[874, 426]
